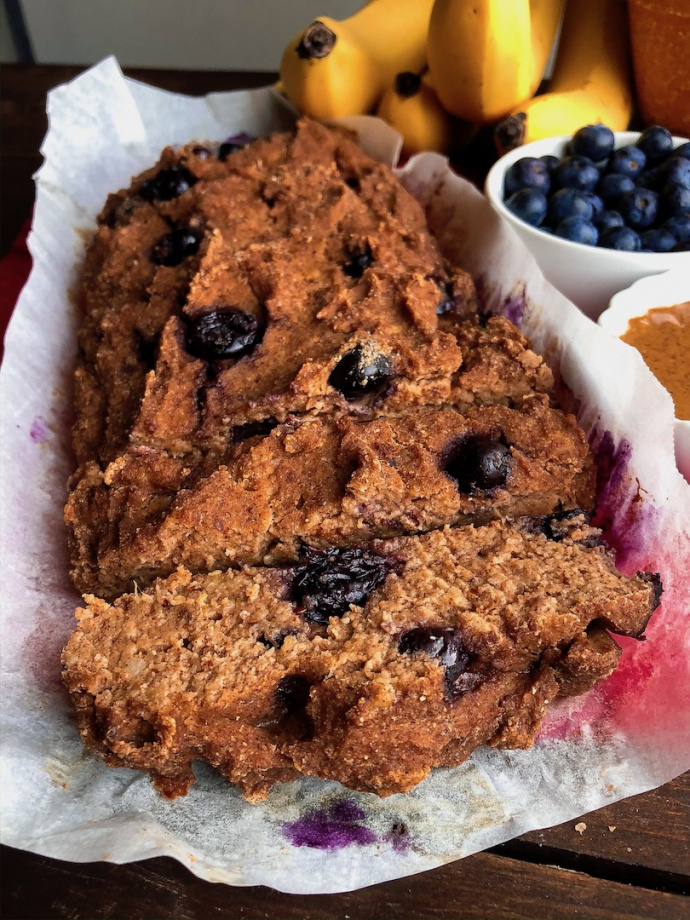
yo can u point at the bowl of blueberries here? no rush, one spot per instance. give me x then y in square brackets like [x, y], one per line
[598, 210]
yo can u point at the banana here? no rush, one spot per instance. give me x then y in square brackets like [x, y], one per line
[411, 106]
[487, 56]
[545, 17]
[332, 69]
[591, 81]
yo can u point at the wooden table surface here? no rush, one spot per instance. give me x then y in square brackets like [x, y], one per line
[630, 860]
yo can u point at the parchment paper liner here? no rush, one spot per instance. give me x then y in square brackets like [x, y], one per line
[630, 734]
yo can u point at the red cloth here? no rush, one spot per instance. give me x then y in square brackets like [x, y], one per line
[14, 270]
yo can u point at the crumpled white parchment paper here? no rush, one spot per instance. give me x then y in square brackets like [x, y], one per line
[628, 735]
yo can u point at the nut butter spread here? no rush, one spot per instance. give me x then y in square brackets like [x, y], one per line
[662, 336]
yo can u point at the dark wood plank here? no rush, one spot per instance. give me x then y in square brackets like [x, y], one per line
[483, 886]
[644, 837]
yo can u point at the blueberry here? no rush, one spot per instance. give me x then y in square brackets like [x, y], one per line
[656, 143]
[683, 246]
[678, 226]
[683, 151]
[446, 304]
[175, 246]
[358, 262]
[550, 161]
[675, 169]
[627, 161]
[648, 178]
[223, 333]
[674, 200]
[559, 525]
[226, 149]
[567, 202]
[335, 578]
[167, 184]
[622, 238]
[232, 145]
[443, 643]
[479, 463]
[529, 205]
[607, 219]
[293, 692]
[639, 208]
[612, 185]
[436, 643]
[593, 141]
[565, 525]
[576, 172]
[657, 240]
[595, 201]
[528, 172]
[360, 371]
[578, 230]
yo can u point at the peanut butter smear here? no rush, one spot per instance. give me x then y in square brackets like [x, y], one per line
[662, 336]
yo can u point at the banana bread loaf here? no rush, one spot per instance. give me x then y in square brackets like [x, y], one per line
[346, 518]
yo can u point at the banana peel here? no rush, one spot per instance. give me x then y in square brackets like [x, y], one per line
[487, 56]
[410, 106]
[336, 68]
[591, 83]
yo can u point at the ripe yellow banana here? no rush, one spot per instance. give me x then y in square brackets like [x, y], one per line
[332, 69]
[411, 106]
[591, 81]
[487, 56]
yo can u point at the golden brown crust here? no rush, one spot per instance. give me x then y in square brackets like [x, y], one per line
[276, 233]
[316, 481]
[279, 228]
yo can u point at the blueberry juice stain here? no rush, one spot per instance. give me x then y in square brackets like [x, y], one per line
[331, 828]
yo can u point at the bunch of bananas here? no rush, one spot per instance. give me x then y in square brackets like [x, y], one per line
[437, 70]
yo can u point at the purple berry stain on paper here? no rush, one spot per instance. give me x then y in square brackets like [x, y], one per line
[514, 306]
[631, 525]
[491, 301]
[331, 828]
[623, 512]
[39, 430]
[399, 837]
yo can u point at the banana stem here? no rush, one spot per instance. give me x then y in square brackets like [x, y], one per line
[317, 42]
[510, 133]
[407, 84]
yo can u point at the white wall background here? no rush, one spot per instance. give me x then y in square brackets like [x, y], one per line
[8, 55]
[192, 34]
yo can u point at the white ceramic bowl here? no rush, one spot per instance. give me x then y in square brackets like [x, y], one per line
[662, 290]
[587, 275]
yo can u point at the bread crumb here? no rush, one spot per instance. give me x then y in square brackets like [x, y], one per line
[581, 827]
[612, 827]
